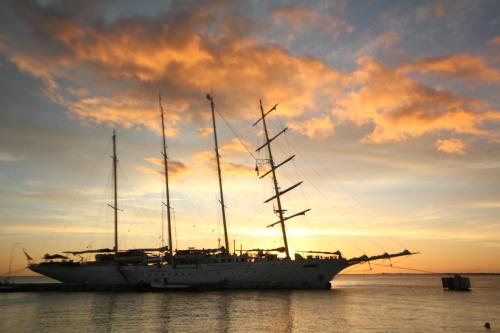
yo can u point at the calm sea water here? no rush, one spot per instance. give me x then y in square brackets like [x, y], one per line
[382, 303]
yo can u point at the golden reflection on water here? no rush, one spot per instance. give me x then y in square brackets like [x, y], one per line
[357, 304]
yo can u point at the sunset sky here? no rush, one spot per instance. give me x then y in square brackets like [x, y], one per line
[393, 109]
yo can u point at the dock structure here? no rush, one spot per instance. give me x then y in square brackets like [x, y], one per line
[62, 287]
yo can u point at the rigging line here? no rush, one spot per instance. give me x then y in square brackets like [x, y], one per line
[355, 271]
[367, 209]
[351, 238]
[278, 124]
[349, 269]
[338, 209]
[303, 175]
[162, 222]
[146, 213]
[324, 181]
[236, 135]
[194, 209]
[136, 209]
[163, 200]
[406, 268]
[299, 175]
[103, 198]
[74, 196]
[188, 200]
[175, 230]
[256, 209]
[14, 271]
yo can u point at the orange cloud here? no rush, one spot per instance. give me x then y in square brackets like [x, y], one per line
[439, 9]
[234, 146]
[236, 168]
[451, 146]
[494, 41]
[204, 131]
[400, 107]
[314, 128]
[205, 156]
[382, 42]
[120, 51]
[149, 171]
[463, 66]
[111, 73]
[229, 148]
[175, 168]
[301, 18]
[125, 62]
[127, 112]
[6, 156]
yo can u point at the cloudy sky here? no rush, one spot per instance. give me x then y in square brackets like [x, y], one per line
[392, 108]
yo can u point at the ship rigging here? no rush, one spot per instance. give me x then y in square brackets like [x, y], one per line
[164, 268]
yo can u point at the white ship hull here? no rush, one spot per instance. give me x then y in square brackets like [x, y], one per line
[279, 274]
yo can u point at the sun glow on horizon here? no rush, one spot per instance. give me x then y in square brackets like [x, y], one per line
[392, 113]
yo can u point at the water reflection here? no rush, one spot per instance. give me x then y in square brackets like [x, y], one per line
[381, 304]
[101, 312]
[225, 311]
[164, 314]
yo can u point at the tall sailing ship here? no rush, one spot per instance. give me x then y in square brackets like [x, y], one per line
[163, 268]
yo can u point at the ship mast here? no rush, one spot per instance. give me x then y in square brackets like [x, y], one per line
[278, 193]
[115, 185]
[167, 190]
[226, 240]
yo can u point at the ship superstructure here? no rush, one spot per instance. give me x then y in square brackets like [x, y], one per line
[163, 268]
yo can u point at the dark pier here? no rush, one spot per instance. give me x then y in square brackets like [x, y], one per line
[64, 287]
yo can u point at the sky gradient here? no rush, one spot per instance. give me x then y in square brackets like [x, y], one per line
[392, 107]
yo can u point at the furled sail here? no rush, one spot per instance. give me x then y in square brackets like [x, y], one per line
[54, 256]
[365, 258]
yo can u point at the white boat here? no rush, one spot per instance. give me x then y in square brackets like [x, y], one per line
[165, 269]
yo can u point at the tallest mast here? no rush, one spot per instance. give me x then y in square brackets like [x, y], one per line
[226, 240]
